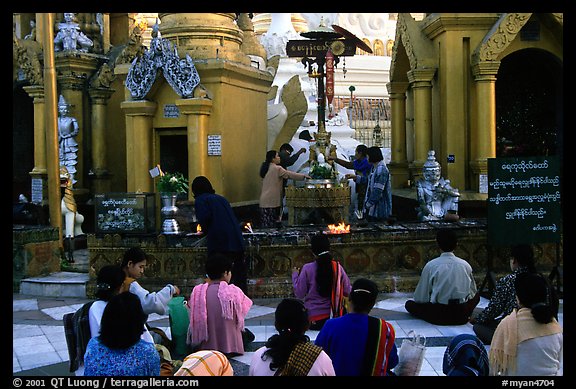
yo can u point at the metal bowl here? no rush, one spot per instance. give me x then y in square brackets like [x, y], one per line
[320, 183]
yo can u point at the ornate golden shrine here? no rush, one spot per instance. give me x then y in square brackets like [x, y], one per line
[320, 204]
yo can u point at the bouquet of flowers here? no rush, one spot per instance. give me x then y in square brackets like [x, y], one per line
[320, 171]
[173, 183]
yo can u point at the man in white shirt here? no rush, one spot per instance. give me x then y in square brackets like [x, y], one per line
[446, 293]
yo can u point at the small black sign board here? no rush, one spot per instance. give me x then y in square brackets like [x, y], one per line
[524, 204]
[315, 48]
[124, 212]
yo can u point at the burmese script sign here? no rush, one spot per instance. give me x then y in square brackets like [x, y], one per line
[315, 48]
[125, 212]
[524, 200]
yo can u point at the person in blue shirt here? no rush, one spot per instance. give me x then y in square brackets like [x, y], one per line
[223, 232]
[119, 350]
[357, 343]
[362, 167]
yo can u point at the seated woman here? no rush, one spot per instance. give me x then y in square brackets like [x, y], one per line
[290, 352]
[529, 341]
[217, 310]
[322, 284]
[119, 349]
[134, 264]
[503, 300]
[357, 343]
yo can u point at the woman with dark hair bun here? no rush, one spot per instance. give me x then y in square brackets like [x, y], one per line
[529, 341]
[290, 352]
[108, 284]
[322, 284]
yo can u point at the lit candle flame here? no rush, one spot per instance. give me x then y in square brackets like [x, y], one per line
[249, 228]
[198, 228]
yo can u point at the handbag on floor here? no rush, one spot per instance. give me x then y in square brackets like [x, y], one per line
[411, 355]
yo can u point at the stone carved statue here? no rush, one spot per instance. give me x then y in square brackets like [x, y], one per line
[67, 130]
[72, 218]
[437, 200]
[70, 37]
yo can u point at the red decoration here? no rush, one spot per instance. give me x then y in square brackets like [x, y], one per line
[329, 76]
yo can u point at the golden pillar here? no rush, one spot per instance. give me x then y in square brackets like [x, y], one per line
[37, 93]
[399, 164]
[198, 111]
[421, 83]
[483, 144]
[99, 172]
[139, 131]
[51, 126]
[39, 173]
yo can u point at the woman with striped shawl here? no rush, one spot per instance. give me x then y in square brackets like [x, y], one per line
[322, 284]
[357, 343]
[290, 352]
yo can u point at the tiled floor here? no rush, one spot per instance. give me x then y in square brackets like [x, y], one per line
[39, 346]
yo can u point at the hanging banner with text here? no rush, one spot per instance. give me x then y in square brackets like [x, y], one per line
[524, 200]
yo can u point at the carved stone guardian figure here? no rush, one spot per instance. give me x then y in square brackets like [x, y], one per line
[70, 37]
[437, 200]
[67, 130]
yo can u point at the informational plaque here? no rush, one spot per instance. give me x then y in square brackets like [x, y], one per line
[36, 190]
[125, 212]
[524, 202]
[214, 144]
[171, 111]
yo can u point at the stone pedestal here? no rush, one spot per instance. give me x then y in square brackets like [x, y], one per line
[35, 252]
[318, 205]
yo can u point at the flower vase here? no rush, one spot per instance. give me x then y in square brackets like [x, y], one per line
[168, 212]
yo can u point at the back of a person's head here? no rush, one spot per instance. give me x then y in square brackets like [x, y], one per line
[134, 254]
[319, 243]
[287, 147]
[533, 292]
[362, 149]
[446, 239]
[291, 316]
[109, 281]
[217, 264]
[270, 155]
[524, 255]
[465, 356]
[122, 321]
[363, 295]
[374, 154]
[201, 185]
[291, 322]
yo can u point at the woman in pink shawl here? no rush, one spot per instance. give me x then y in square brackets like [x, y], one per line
[217, 310]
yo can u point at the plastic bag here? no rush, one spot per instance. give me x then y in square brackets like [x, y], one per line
[179, 322]
[411, 355]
